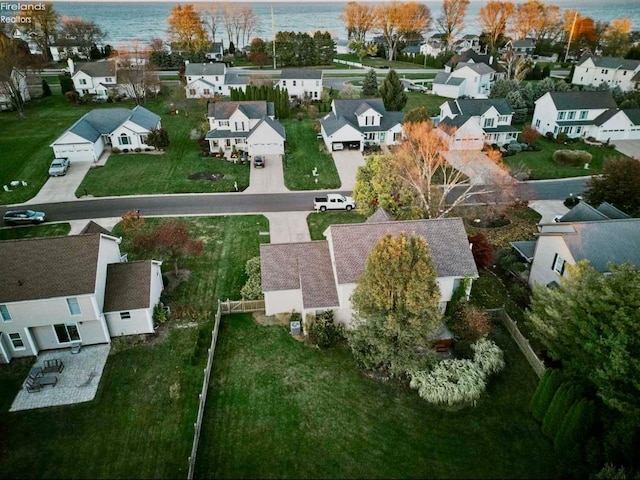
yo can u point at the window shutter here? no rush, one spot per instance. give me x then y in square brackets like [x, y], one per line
[562, 268]
[553, 263]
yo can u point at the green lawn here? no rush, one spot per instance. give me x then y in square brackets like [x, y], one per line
[140, 424]
[279, 409]
[306, 152]
[47, 230]
[378, 62]
[431, 102]
[319, 221]
[543, 167]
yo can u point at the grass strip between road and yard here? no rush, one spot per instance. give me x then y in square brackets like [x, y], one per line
[48, 230]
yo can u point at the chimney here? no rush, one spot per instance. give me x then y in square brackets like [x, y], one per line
[72, 67]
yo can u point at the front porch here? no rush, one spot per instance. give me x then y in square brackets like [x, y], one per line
[78, 382]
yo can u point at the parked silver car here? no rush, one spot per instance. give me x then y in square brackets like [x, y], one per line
[21, 217]
[59, 166]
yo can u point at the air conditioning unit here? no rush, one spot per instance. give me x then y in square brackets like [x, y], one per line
[295, 328]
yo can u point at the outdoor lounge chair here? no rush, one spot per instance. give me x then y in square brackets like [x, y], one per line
[35, 384]
[53, 366]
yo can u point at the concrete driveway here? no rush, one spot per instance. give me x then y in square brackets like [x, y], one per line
[269, 179]
[288, 227]
[630, 148]
[62, 189]
[347, 163]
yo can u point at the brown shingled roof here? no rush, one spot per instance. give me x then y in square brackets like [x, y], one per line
[306, 266]
[446, 238]
[128, 286]
[37, 268]
[93, 227]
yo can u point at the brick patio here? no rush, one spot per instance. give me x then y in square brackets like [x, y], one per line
[77, 383]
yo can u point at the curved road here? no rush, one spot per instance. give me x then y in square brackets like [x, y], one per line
[241, 203]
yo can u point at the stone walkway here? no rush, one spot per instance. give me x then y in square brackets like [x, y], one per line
[77, 383]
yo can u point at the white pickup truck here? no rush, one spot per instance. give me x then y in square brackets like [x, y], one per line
[334, 201]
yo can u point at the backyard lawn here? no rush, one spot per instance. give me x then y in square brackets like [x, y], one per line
[306, 152]
[280, 409]
[431, 102]
[140, 424]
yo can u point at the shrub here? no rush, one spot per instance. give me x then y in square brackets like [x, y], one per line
[252, 289]
[125, 150]
[72, 96]
[160, 314]
[571, 201]
[469, 323]
[322, 330]
[451, 382]
[558, 409]
[115, 150]
[137, 149]
[482, 250]
[514, 147]
[573, 158]
[575, 428]
[550, 136]
[487, 356]
[562, 137]
[547, 387]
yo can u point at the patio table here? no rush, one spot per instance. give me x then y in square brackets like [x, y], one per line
[36, 372]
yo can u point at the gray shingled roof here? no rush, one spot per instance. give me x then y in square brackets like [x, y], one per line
[128, 286]
[477, 107]
[612, 62]
[301, 74]
[490, 60]
[38, 268]
[455, 122]
[605, 116]
[633, 114]
[143, 117]
[194, 69]
[276, 125]
[93, 227]
[443, 78]
[446, 237]
[232, 78]
[479, 68]
[583, 212]
[255, 109]
[98, 69]
[305, 266]
[607, 241]
[612, 212]
[526, 249]
[103, 121]
[380, 215]
[525, 43]
[582, 100]
[346, 111]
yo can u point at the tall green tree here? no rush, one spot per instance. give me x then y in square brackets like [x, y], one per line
[592, 324]
[370, 84]
[392, 92]
[396, 300]
[618, 185]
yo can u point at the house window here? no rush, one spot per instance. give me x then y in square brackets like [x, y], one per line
[108, 80]
[74, 306]
[562, 115]
[125, 315]
[240, 126]
[503, 119]
[83, 81]
[583, 114]
[4, 313]
[284, 83]
[124, 140]
[67, 332]
[206, 91]
[192, 91]
[16, 341]
[223, 123]
[578, 130]
[294, 83]
[571, 115]
[488, 122]
[558, 264]
[537, 123]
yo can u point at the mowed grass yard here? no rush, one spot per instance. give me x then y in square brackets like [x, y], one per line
[280, 409]
[47, 230]
[306, 152]
[318, 222]
[140, 425]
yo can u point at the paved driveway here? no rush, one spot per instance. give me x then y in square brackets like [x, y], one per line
[630, 148]
[347, 163]
[63, 189]
[269, 179]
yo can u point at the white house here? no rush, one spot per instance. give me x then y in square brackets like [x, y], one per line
[248, 126]
[204, 80]
[311, 277]
[616, 125]
[94, 78]
[353, 123]
[302, 82]
[60, 291]
[522, 48]
[467, 79]
[433, 46]
[614, 71]
[125, 129]
[572, 113]
[467, 42]
[19, 82]
[470, 123]
[216, 52]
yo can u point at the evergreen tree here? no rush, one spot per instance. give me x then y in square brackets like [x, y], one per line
[370, 84]
[558, 409]
[392, 92]
[66, 84]
[547, 387]
[46, 90]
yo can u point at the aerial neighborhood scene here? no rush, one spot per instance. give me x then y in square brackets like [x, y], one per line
[303, 239]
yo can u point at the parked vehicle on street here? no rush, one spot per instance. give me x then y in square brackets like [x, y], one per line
[23, 217]
[258, 162]
[59, 166]
[334, 201]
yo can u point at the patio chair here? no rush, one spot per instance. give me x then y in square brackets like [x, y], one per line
[35, 384]
[53, 366]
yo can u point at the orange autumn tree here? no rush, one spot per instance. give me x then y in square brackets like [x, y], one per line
[493, 18]
[398, 21]
[359, 20]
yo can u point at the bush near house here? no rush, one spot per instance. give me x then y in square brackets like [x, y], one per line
[549, 384]
[566, 394]
[572, 158]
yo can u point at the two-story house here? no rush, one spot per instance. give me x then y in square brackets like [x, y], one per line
[17, 82]
[60, 291]
[467, 79]
[94, 78]
[522, 48]
[614, 71]
[434, 45]
[572, 113]
[354, 123]
[215, 52]
[204, 80]
[302, 83]
[467, 124]
[311, 277]
[467, 42]
[248, 126]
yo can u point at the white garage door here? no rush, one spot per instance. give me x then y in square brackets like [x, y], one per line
[266, 149]
[79, 152]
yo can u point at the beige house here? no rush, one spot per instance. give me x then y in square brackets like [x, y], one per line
[57, 292]
[311, 277]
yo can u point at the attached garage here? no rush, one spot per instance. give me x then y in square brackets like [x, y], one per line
[80, 152]
[266, 138]
[82, 145]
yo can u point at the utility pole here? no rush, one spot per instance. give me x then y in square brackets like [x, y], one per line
[573, 26]
[273, 32]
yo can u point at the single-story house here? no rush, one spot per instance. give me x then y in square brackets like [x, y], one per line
[248, 126]
[311, 277]
[60, 291]
[125, 129]
[354, 123]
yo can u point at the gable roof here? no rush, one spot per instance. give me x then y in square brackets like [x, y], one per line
[215, 68]
[255, 109]
[144, 118]
[97, 69]
[39, 268]
[305, 266]
[446, 238]
[93, 227]
[612, 212]
[582, 100]
[477, 107]
[479, 68]
[345, 112]
[454, 122]
[274, 124]
[300, 74]
[475, 57]
[633, 114]
[128, 286]
[611, 62]
[524, 43]
[583, 212]
[380, 215]
[444, 78]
